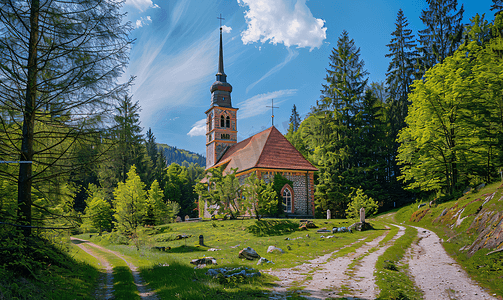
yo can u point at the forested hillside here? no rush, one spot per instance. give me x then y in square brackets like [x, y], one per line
[175, 155]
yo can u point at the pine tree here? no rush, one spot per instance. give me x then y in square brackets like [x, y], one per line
[442, 35]
[60, 65]
[151, 147]
[295, 119]
[497, 6]
[335, 130]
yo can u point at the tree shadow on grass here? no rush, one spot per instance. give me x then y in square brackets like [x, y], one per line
[185, 249]
[179, 281]
[273, 227]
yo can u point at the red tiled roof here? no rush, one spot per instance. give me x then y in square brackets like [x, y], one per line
[267, 149]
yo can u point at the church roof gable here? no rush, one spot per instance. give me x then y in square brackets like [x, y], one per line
[268, 149]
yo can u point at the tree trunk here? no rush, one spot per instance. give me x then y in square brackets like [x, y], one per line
[25, 169]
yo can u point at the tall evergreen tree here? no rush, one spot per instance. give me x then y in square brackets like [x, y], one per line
[399, 78]
[295, 119]
[442, 35]
[59, 67]
[497, 6]
[151, 147]
[335, 132]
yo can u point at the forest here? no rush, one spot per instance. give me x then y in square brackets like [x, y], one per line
[431, 130]
[74, 155]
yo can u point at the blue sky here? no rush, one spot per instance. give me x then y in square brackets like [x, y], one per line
[273, 49]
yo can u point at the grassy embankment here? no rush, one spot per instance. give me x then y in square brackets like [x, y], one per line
[34, 269]
[446, 220]
[171, 276]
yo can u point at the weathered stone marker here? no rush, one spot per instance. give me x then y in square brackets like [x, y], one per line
[187, 218]
[362, 215]
[329, 216]
[201, 240]
[178, 219]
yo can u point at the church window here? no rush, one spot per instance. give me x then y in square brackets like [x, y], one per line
[228, 122]
[222, 121]
[225, 136]
[209, 123]
[287, 200]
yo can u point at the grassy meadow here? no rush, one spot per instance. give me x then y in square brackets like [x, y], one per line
[172, 276]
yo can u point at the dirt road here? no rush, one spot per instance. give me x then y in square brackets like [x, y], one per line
[105, 290]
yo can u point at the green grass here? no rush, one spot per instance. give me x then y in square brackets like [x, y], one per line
[170, 274]
[392, 278]
[56, 274]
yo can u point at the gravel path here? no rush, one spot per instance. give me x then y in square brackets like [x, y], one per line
[362, 283]
[144, 291]
[329, 275]
[104, 290]
[437, 274]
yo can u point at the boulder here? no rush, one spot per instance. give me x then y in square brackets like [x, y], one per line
[303, 227]
[248, 253]
[323, 230]
[358, 226]
[204, 261]
[264, 260]
[421, 205]
[271, 249]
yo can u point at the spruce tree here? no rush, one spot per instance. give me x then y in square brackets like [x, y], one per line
[60, 63]
[442, 35]
[295, 119]
[335, 131]
[497, 6]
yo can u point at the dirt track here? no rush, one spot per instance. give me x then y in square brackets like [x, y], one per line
[435, 273]
[104, 291]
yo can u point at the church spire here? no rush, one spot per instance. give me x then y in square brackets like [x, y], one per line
[221, 74]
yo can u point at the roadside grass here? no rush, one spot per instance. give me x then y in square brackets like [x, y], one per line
[391, 277]
[486, 269]
[57, 274]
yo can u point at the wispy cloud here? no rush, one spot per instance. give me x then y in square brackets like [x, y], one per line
[289, 22]
[198, 129]
[143, 21]
[257, 105]
[142, 5]
[291, 55]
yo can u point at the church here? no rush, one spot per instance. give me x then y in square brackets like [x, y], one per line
[265, 153]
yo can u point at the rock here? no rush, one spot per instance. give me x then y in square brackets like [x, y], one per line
[322, 230]
[214, 249]
[421, 205]
[182, 236]
[358, 226]
[444, 212]
[310, 224]
[248, 253]
[271, 249]
[204, 261]
[264, 260]
[178, 219]
[303, 227]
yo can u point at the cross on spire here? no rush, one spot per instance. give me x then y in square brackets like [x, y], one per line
[220, 18]
[272, 110]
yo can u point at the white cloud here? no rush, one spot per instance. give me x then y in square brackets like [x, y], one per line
[257, 105]
[142, 5]
[198, 129]
[282, 21]
[226, 29]
[291, 55]
[143, 21]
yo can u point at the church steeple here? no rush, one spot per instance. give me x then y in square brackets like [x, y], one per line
[221, 117]
[221, 74]
[220, 89]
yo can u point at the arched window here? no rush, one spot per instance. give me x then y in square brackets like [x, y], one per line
[228, 122]
[222, 121]
[287, 200]
[210, 126]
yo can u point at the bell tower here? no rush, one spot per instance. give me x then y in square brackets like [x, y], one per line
[221, 121]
